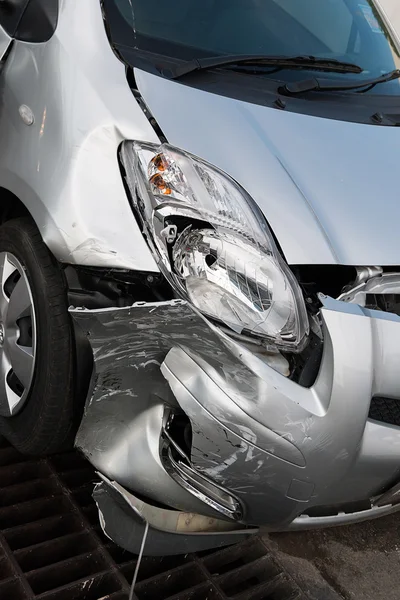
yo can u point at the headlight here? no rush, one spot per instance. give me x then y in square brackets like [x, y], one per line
[214, 245]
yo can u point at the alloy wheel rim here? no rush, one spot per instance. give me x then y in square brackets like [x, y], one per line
[17, 335]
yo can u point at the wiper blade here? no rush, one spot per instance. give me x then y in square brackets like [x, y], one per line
[319, 85]
[295, 62]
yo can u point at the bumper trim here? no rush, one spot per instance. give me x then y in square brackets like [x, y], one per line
[202, 488]
[123, 518]
[392, 496]
[259, 435]
[179, 467]
[305, 522]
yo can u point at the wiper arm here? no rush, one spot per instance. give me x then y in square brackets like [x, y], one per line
[318, 85]
[295, 62]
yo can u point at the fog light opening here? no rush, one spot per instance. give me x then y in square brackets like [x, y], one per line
[175, 455]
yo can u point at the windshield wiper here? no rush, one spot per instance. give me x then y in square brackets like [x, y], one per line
[292, 62]
[319, 85]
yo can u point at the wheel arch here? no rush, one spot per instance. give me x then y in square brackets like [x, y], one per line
[19, 199]
[11, 207]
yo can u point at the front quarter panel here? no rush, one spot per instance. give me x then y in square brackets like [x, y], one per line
[5, 41]
[64, 167]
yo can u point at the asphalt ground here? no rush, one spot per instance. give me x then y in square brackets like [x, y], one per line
[359, 562]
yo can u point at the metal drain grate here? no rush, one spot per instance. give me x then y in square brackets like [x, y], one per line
[52, 547]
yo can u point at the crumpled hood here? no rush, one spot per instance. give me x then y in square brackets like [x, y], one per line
[327, 188]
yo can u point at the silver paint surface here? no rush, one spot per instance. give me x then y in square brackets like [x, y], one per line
[5, 41]
[123, 416]
[318, 192]
[329, 191]
[276, 446]
[328, 187]
[64, 167]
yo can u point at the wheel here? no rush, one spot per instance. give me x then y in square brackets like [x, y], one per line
[36, 344]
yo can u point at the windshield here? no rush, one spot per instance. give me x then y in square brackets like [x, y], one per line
[346, 30]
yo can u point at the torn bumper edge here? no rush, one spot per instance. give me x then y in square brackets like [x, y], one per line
[255, 432]
[123, 518]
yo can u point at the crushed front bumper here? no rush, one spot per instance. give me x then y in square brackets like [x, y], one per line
[277, 448]
[124, 518]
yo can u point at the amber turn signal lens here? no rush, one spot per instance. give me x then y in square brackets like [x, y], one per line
[159, 162]
[158, 182]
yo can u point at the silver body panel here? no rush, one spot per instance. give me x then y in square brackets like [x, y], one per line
[5, 41]
[64, 167]
[326, 187]
[329, 192]
[276, 446]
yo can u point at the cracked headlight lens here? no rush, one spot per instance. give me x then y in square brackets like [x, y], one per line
[213, 244]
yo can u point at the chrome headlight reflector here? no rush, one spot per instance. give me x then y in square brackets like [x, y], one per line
[214, 245]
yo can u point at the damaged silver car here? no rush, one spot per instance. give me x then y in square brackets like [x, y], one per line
[200, 262]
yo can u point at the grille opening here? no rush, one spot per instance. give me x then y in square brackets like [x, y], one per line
[385, 410]
[179, 428]
[384, 302]
[329, 279]
[175, 455]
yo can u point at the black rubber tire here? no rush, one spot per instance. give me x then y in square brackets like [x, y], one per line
[46, 422]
